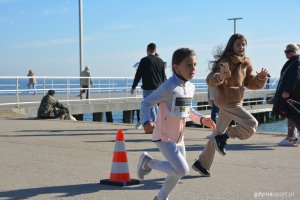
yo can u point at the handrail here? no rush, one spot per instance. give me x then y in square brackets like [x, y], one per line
[67, 89]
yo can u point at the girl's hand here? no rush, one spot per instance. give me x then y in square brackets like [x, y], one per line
[225, 75]
[149, 127]
[208, 122]
[263, 73]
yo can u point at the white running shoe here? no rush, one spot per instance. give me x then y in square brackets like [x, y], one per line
[296, 135]
[142, 168]
[289, 143]
[139, 125]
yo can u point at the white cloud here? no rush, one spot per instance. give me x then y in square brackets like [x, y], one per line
[5, 1]
[177, 20]
[118, 26]
[53, 42]
[57, 11]
[52, 12]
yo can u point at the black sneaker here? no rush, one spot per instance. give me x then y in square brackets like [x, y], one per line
[220, 144]
[198, 167]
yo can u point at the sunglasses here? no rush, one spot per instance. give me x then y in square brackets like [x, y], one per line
[288, 51]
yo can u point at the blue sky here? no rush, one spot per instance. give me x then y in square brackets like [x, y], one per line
[43, 35]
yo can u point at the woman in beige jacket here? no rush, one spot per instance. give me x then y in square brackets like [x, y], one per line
[31, 81]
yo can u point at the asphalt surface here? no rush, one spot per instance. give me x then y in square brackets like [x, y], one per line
[52, 159]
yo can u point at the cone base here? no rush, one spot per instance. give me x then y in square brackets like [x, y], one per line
[109, 182]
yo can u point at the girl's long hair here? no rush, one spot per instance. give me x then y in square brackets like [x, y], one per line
[219, 53]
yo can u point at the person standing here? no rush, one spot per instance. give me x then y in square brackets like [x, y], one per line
[31, 81]
[211, 100]
[85, 82]
[230, 73]
[288, 88]
[151, 71]
[268, 82]
[175, 99]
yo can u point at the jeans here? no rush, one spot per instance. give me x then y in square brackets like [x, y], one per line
[33, 87]
[292, 125]
[214, 112]
[175, 167]
[153, 110]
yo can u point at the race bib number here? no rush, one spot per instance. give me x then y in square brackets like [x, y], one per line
[181, 106]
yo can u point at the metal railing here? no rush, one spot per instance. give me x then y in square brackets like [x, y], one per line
[15, 91]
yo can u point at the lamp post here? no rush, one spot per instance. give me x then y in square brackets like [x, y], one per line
[80, 36]
[234, 20]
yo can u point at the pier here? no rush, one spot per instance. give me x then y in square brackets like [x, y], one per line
[110, 95]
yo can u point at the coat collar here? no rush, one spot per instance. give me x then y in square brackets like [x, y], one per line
[179, 80]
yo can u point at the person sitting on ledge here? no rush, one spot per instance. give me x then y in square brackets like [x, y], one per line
[50, 108]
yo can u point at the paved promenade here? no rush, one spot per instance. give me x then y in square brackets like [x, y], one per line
[52, 159]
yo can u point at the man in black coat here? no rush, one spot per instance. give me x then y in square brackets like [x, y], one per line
[152, 72]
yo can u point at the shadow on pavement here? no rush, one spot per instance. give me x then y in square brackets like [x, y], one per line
[75, 190]
[82, 189]
[59, 132]
[233, 147]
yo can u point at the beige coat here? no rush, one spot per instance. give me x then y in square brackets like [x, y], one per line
[230, 92]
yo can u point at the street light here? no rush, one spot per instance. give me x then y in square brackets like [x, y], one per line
[80, 36]
[234, 19]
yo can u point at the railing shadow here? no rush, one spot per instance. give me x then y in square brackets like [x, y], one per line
[235, 147]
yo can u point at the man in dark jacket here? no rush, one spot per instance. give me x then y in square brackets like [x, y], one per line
[152, 72]
[289, 87]
[48, 107]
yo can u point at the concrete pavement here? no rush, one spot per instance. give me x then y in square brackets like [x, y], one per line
[52, 159]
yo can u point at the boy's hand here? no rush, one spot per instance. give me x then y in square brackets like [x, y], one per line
[208, 122]
[149, 127]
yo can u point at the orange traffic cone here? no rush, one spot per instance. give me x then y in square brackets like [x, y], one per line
[119, 174]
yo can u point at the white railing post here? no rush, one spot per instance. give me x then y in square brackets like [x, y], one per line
[126, 86]
[108, 89]
[89, 91]
[17, 92]
[44, 86]
[68, 90]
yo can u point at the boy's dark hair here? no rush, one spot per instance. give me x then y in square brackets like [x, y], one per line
[151, 47]
[180, 54]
